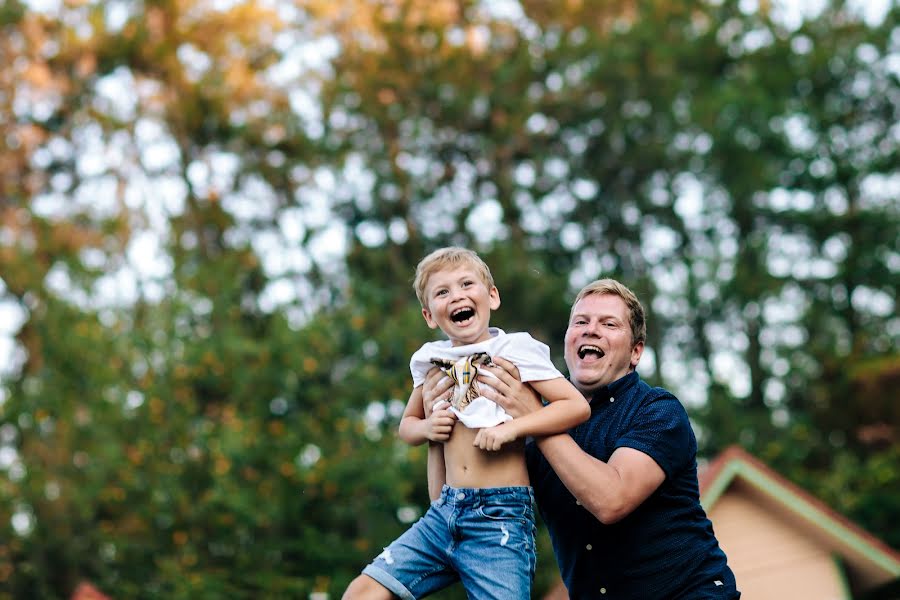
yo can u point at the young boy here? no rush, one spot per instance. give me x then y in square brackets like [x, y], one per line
[480, 526]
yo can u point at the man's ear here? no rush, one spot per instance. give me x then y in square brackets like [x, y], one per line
[495, 297]
[428, 318]
[636, 352]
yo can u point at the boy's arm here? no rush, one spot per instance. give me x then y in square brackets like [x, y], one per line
[437, 470]
[412, 429]
[566, 408]
[415, 429]
[436, 388]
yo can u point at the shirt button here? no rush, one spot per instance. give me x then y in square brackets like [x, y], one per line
[602, 590]
[590, 546]
[578, 502]
[611, 399]
[460, 496]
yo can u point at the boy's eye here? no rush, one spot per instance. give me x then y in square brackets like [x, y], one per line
[440, 292]
[467, 283]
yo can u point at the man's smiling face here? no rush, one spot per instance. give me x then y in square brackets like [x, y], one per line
[460, 303]
[598, 347]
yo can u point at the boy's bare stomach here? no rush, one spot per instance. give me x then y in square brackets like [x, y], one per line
[470, 467]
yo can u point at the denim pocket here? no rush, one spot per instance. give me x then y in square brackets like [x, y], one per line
[503, 512]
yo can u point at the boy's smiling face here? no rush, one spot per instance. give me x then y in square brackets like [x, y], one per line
[460, 304]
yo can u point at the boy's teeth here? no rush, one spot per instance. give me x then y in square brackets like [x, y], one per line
[462, 314]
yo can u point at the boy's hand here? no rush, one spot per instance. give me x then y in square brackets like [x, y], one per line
[439, 424]
[493, 438]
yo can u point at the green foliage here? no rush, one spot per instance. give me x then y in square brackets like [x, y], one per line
[214, 416]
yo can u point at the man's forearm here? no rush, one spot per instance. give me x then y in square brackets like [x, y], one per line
[610, 490]
[595, 484]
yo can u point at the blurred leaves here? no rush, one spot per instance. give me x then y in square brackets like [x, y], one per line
[210, 216]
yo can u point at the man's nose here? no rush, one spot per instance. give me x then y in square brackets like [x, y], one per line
[593, 328]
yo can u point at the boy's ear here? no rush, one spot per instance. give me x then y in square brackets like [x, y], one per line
[428, 318]
[495, 297]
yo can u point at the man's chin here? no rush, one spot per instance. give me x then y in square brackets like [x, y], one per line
[586, 385]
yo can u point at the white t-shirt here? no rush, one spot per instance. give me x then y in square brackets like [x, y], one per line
[530, 356]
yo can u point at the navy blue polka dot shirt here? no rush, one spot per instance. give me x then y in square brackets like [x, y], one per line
[666, 547]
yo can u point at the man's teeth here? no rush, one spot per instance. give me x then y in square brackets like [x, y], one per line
[584, 350]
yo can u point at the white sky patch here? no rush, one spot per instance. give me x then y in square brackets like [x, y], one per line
[485, 221]
[195, 62]
[115, 94]
[146, 253]
[872, 301]
[116, 14]
[658, 242]
[12, 317]
[45, 6]
[689, 201]
[157, 149]
[729, 370]
[881, 190]
[117, 288]
[23, 521]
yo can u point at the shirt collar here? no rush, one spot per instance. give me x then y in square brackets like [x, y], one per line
[617, 388]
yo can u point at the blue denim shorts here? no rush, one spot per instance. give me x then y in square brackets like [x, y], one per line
[482, 537]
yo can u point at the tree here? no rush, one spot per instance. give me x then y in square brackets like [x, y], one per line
[210, 251]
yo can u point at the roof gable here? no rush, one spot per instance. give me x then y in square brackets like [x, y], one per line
[844, 538]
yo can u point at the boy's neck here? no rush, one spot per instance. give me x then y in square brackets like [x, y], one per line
[485, 336]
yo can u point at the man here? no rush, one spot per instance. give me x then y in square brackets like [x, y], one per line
[619, 493]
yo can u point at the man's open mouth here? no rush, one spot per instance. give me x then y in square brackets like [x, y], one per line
[589, 349]
[462, 314]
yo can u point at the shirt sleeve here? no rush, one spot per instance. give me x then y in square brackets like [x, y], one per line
[420, 363]
[532, 357]
[661, 430]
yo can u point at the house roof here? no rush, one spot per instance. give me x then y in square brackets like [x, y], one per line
[86, 591]
[845, 538]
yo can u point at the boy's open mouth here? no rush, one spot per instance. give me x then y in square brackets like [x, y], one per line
[589, 349]
[462, 314]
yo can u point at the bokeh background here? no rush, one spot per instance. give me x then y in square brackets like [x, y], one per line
[210, 213]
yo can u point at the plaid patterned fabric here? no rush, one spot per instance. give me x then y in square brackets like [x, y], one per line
[463, 373]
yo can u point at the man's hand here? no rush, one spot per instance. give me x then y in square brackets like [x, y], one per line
[493, 438]
[437, 387]
[515, 397]
[436, 391]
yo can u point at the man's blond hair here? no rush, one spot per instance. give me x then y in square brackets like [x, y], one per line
[447, 258]
[612, 287]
